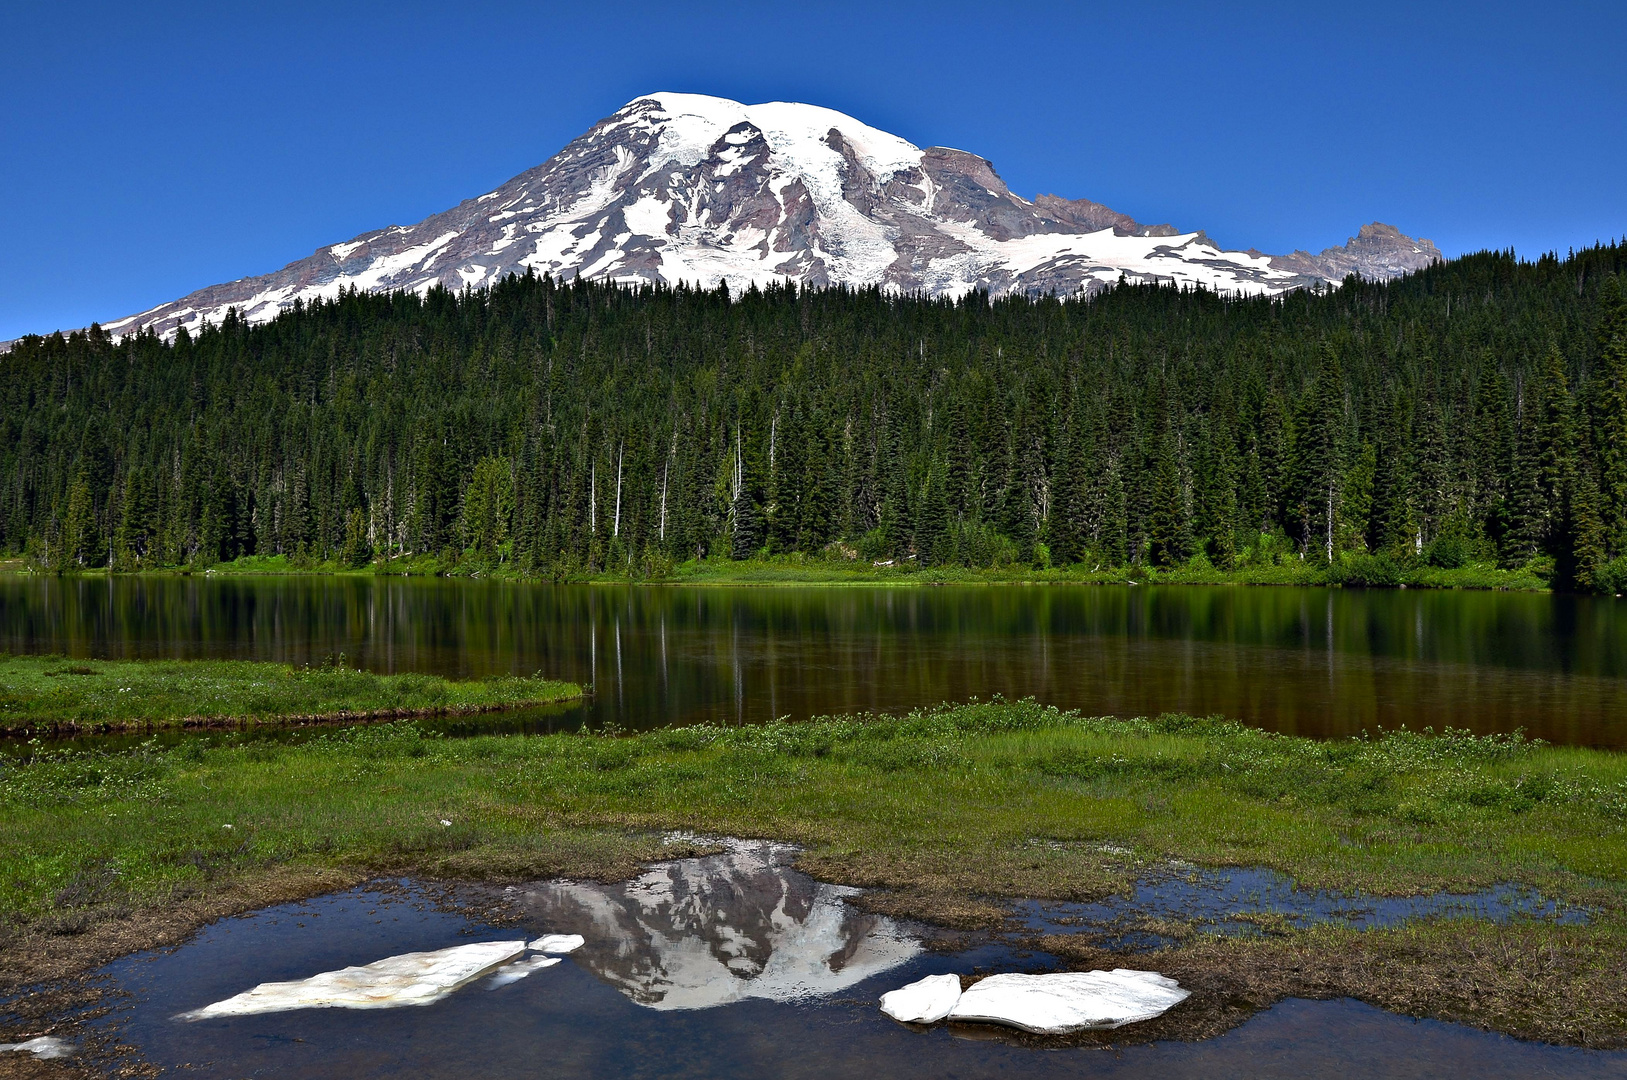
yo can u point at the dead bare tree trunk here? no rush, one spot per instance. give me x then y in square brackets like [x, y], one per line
[615, 525]
[1330, 521]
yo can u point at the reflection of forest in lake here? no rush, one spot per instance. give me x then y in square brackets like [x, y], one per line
[695, 933]
[1305, 661]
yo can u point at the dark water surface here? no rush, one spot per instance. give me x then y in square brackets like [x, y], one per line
[1231, 899]
[1321, 662]
[727, 966]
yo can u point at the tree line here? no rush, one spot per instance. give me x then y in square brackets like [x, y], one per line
[1475, 411]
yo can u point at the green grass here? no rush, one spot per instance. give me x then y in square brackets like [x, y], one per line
[54, 693]
[941, 813]
[797, 569]
[983, 799]
[1352, 571]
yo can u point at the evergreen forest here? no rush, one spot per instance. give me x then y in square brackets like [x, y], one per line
[1471, 413]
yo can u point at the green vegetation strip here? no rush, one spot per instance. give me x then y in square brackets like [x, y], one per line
[56, 694]
[835, 568]
[942, 812]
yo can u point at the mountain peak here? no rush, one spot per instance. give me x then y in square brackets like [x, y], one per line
[1377, 251]
[687, 187]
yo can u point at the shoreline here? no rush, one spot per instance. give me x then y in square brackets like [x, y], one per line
[1452, 970]
[60, 697]
[338, 718]
[946, 815]
[798, 572]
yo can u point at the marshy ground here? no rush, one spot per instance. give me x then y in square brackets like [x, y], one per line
[946, 815]
[57, 695]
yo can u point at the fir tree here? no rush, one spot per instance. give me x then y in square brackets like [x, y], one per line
[745, 508]
[1168, 528]
[1493, 447]
[932, 534]
[1582, 563]
[1553, 443]
[1390, 524]
[1610, 416]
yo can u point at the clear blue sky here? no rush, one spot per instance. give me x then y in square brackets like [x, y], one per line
[152, 148]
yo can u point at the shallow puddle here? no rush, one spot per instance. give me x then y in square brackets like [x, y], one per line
[727, 966]
[1243, 900]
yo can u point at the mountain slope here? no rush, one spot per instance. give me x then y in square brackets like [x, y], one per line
[682, 187]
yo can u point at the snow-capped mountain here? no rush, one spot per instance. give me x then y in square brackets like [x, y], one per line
[682, 187]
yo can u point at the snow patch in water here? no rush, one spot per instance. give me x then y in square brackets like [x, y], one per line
[415, 978]
[1069, 1001]
[925, 1001]
[45, 1046]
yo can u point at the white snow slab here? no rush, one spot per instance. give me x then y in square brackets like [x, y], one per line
[416, 978]
[925, 1001]
[46, 1046]
[519, 969]
[1070, 1000]
[557, 944]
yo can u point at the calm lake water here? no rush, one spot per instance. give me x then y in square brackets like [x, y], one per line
[1321, 662]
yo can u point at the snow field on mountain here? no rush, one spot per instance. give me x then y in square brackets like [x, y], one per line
[689, 188]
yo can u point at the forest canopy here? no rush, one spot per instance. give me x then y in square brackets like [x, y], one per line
[1474, 411]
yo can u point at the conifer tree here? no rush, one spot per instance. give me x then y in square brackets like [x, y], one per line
[745, 508]
[1390, 525]
[1553, 444]
[1068, 532]
[1020, 517]
[1493, 446]
[79, 545]
[1168, 527]
[1114, 543]
[1610, 418]
[1318, 442]
[1215, 480]
[932, 535]
[1523, 525]
[815, 511]
[1581, 564]
[1431, 469]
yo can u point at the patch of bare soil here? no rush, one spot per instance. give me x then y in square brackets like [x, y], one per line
[1554, 984]
[76, 941]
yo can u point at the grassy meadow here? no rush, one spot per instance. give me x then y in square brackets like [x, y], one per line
[58, 694]
[945, 813]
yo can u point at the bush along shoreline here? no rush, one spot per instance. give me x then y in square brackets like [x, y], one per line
[1349, 570]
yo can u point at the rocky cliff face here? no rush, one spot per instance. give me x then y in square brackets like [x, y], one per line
[1377, 252]
[681, 187]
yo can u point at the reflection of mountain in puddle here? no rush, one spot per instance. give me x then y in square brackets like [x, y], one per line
[695, 933]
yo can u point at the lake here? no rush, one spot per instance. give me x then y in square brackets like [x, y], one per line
[1308, 661]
